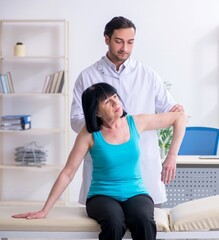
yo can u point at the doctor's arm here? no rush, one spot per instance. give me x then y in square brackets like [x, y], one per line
[163, 120]
[169, 165]
[77, 115]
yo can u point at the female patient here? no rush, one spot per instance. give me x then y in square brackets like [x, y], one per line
[117, 198]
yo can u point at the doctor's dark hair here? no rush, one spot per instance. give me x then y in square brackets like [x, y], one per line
[91, 98]
[117, 23]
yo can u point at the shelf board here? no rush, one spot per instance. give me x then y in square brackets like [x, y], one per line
[35, 168]
[31, 20]
[35, 131]
[31, 94]
[31, 57]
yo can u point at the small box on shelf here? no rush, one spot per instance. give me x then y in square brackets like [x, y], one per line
[15, 122]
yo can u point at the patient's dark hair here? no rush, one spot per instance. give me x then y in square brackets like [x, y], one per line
[117, 23]
[91, 98]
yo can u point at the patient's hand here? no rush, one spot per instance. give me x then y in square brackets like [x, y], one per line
[31, 215]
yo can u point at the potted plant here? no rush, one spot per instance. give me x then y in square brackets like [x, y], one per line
[165, 136]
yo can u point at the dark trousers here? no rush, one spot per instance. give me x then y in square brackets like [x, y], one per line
[114, 217]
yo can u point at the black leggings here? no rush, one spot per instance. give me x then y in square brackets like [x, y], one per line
[114, 217]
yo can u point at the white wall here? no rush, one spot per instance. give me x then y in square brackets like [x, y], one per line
[178, 38]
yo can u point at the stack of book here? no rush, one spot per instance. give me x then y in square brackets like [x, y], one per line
[54, 82]
[15, 122]
[6, 83]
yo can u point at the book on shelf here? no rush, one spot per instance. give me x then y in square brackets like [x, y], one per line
[21, 126]
[11, 85]
[17, 118]
[15, 122]
[6, 83]
[54, 82]
[46, 84]
[60, 82]
[1, 86]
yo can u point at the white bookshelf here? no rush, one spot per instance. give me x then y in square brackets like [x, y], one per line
[47, 51]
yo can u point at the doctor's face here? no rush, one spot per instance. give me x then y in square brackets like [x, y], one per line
[120, 45]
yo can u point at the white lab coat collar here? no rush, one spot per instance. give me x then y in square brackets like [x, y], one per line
[103, 66]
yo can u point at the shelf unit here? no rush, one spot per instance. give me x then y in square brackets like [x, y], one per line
[47, 51]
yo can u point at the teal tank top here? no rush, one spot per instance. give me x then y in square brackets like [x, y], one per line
[116, 167]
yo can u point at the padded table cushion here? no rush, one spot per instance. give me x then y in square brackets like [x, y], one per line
[61, 218]
[161, 217]
[200, 214]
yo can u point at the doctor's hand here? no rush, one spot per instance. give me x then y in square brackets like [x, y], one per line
[177, 108]
[169, 169]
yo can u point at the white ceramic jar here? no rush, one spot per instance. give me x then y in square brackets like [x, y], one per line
[19, 50]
